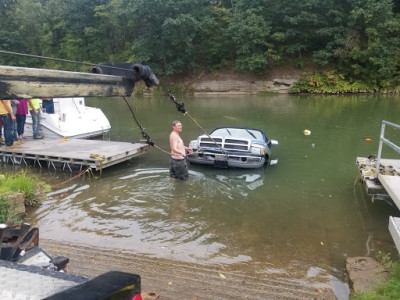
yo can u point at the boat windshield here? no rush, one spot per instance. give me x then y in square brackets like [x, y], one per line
[243, 133]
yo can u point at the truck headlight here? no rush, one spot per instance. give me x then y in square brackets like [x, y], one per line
[193, 144]
[258, 150]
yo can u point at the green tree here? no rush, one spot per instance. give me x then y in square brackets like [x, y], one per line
[214, 44]
[306, 28]
[54, 30]
[22, 30]
[7, 24]
[83, 42]
[165, 32]
[358, 38]
[114, 25]
[250, 31]
[76, 30]
[369, 48]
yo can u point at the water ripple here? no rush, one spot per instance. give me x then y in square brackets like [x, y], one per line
[149, 211]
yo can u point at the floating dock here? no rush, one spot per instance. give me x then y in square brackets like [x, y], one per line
[70, 153]
[388, 180]
[386, 185]
[382, 178]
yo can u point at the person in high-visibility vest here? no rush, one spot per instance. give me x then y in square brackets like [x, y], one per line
[35, 108]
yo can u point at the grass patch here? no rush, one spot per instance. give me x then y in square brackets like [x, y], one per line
[21, 182]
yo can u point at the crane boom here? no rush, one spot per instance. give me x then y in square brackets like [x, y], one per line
[20, 82]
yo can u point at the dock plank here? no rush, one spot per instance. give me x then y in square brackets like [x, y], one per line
[96, 154]
[392, 187]
[394, 229]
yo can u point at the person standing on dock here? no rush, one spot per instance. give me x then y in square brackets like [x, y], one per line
[22, 111]
[178, 166]
[7, 118]
[14, 104]
[34, 109]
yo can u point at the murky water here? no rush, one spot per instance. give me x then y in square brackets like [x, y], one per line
[305, 214]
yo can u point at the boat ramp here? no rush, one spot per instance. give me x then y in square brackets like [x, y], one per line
[381, 178]
[72, 153]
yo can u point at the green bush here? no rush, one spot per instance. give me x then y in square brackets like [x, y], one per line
[4, 209]
[332, 82]
[5, 212]
[21, 182]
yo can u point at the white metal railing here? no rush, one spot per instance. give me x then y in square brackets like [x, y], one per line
[382, 140]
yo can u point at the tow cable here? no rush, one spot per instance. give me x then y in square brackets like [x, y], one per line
[146, 137]
[180, 106]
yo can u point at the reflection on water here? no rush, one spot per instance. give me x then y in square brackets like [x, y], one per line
[300, 217]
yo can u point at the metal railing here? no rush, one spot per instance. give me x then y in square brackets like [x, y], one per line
[383, 140]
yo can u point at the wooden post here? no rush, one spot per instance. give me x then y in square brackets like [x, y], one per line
[18, 82]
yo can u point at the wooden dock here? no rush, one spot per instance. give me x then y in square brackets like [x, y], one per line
[67, 153]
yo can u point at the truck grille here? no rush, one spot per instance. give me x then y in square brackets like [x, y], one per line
[228, 144]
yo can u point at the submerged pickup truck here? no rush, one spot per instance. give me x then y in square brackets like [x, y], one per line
[237, 147]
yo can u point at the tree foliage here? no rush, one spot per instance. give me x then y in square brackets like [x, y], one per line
[250, 33]
[359, 39]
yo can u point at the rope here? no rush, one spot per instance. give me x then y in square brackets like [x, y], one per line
[72, 178]
[147, 138]
[90, 171]
[162, 150]
[209, 136]
[181, 107]
[143, 131]
[101, 158]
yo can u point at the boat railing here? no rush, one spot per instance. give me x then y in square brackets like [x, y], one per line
[383, 140]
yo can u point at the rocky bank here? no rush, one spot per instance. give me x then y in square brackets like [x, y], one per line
[229, 82]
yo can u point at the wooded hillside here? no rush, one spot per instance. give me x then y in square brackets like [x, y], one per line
[358, 40]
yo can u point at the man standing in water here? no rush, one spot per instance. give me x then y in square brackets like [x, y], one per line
[178, 167]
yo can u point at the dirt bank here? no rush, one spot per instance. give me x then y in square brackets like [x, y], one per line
[278, 80]
[179, 280]
[365, 272]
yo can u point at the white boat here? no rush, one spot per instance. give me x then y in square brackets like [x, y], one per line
[71, 119]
